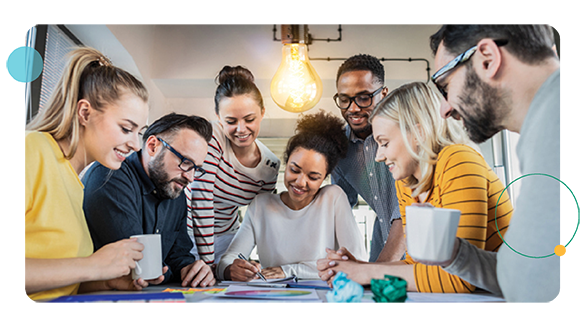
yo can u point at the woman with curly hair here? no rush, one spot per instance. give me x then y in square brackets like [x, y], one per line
[292, 229]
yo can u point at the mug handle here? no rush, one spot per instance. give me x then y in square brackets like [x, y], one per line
[137, 269]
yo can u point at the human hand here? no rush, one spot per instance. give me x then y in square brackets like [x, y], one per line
[116, 259]
[243, 270]
[354, 270]
[273, 272]
[197, 273]
[125, 283]
[341, 254]
[454, 252]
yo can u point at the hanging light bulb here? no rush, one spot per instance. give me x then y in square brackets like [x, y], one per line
[295, 87]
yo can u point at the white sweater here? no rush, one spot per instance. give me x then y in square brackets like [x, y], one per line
[296, 239]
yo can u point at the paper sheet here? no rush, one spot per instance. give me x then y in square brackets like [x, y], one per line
[263, 293]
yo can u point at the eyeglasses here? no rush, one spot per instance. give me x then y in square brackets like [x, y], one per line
[456, 62]
[186, 165]
[361, 100]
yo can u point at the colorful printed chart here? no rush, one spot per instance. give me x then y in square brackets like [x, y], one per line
[267, 293]
[195, 290]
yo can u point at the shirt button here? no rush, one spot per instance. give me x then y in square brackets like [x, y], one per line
[375, 198]
[157, 231]
[371, 174]
[367, 148]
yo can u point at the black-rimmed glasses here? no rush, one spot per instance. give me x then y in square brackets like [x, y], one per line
[456, 62]
[186, 165]
[361, 100]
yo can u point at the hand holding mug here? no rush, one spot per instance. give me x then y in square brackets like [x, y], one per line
[116, 259]
[150, 266]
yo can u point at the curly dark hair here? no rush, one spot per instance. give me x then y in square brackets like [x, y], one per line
[321, 132]
[363, 62]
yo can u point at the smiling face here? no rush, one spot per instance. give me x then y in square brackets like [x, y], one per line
[164, 169]
[303, 176]
[392, 150]
[113, 133]
[354, 83]
[240, 118]
[478, 104]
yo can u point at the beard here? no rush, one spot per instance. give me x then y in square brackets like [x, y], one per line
[484, 106]
[365, 130]
[160, 179]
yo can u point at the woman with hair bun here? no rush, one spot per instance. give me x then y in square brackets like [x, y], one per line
[238, 166]
[96, 113]
[293, 229]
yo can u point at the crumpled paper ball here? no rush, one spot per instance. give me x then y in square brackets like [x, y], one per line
[389, 289]
[344, 290]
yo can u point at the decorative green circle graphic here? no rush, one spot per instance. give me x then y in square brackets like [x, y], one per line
[578, 215]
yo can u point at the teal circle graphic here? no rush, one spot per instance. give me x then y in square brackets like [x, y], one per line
[578, 215]
[23, 64]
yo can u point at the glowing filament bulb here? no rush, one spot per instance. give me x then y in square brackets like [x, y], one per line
[296, 87]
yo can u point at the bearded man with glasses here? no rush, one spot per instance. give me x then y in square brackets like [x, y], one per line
[147, 195]
[360, 86]
[496, 77]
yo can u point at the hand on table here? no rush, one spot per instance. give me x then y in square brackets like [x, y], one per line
[355, 271]
[125, 283]
[273, 272]
[197, 273]
[324, 265]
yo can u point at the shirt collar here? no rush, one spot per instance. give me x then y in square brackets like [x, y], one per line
[352, 137]
[145, 181]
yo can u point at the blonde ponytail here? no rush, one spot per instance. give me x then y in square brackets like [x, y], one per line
[88, 75]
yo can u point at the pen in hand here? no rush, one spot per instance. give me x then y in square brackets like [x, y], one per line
[259, 274]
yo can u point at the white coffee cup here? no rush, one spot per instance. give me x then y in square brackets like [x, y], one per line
[150, 266]
[430, 232]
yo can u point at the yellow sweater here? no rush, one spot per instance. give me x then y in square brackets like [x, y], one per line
[55, 225]
[461, 180]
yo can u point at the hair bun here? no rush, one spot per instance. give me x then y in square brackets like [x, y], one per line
[231, 73]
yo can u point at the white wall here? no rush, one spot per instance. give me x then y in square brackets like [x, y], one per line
[180, 62]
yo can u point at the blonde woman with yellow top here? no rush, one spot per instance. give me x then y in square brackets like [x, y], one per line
[95, 114]
[431, 161]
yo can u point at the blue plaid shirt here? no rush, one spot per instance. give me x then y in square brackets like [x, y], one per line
[359, 173]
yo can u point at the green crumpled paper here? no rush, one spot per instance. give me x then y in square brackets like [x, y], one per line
[389, 289]
[344, 290]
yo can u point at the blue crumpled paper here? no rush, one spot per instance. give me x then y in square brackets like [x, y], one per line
[344, 290]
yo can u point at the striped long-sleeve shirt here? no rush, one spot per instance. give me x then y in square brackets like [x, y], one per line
[214, 199]
[462, 180]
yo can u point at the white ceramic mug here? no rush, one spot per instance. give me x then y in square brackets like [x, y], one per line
[430, 232]
[150, 266]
